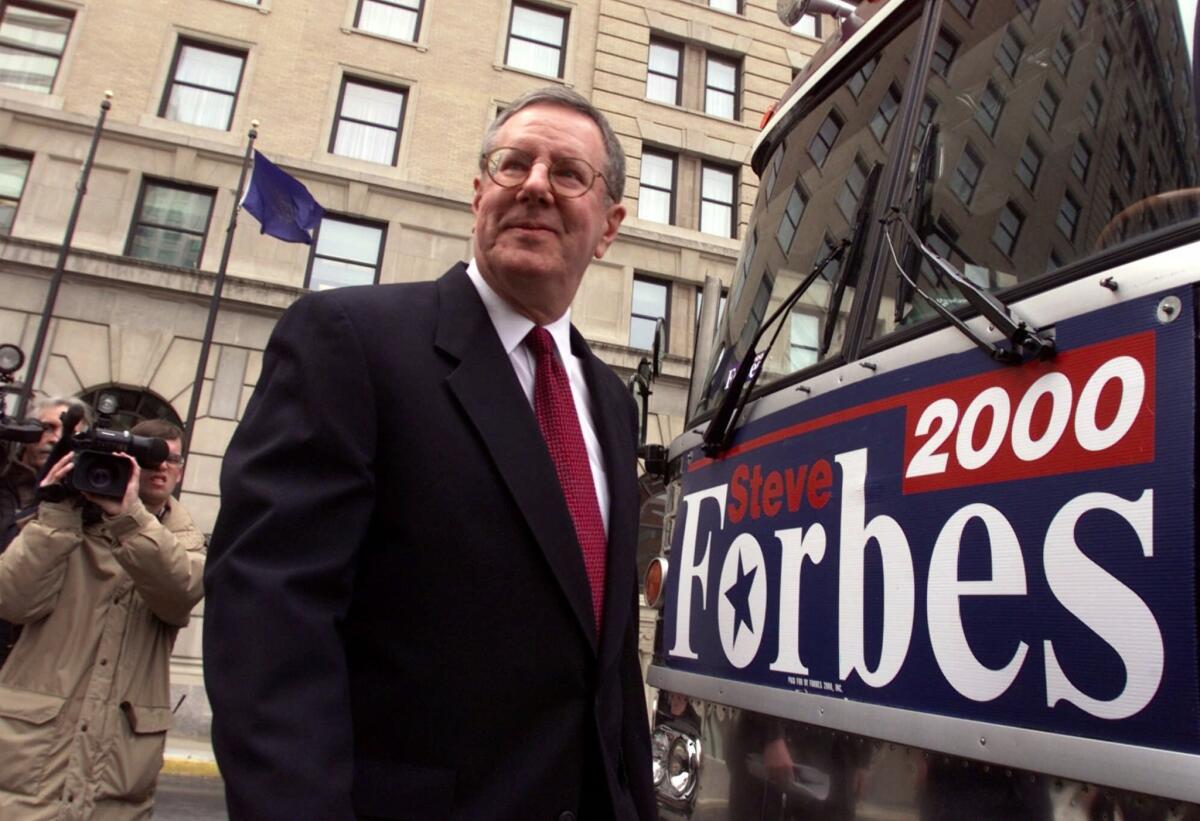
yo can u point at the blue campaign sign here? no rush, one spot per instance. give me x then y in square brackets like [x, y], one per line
[1012, 545]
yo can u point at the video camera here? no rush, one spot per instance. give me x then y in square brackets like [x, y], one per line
[11, 360]
[98, 469]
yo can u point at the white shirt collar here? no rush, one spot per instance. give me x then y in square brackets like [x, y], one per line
[511, 326]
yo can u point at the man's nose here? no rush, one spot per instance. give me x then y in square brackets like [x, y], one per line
[537, 184]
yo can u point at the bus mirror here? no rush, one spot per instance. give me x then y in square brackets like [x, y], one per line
[790, 12]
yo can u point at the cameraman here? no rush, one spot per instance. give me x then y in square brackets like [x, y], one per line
[102, 587]
[18, 476]
[18, 484]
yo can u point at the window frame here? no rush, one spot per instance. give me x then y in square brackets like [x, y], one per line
[1069, 198]
[353, 220]
[732, 204]
[420, 12]
[136, 221]
[991, 91]
[553, 11]
[1039, 109]
[672, 192]
[678, 48]
[732, 62]
[347, 79]
[972, 185]
[204, 45]
[1013, 208]
[55, 11]
[1009, 62]
[938, 64]
[1030, 146]
[665, 284]
[839, 121]
[16, 203]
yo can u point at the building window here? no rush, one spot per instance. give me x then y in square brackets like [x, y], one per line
[991, 104]
[1054, 261]
[1008, 228]
[731, 6]
[32, 39]
[204, 84]
[1092, 106]
[803, 339]
[398, 19]
[1103, 58]
[368, 122]
[14, 170]
[852, 189]
[171, 223]
[1078, 11]
[1064, 52]
[345, 252]
[717, 187]
[822, 142]
[929, 107]
[1068, 216]
[809, 25]
[537, 38]
[966, 175]
[965, 7]
[1029, 164]
[1028, 9]
[1125, 167]
[858, 82]
[656, 202]
[720, 87]
[649, 306]
[662, 72]
[943, 53]
[1008, 53]
[886, 113]
[1047, 107]
[790, 221]
[773, 171]
[1081, 159]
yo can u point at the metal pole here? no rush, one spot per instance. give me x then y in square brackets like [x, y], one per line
[56, 279]
[215, 303]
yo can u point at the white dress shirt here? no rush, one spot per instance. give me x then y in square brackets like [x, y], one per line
[512, 328]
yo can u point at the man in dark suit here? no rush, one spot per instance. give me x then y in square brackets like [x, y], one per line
[421, 594]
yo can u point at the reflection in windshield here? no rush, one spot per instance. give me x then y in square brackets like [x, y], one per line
[1064, 129]
[809, 202]
[1057, 131]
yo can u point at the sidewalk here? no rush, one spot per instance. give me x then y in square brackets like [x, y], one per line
[189, 756]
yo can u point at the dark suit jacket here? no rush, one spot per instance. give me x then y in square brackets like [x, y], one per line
[398, 620]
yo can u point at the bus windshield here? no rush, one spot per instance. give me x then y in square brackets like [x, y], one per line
[1042, 140]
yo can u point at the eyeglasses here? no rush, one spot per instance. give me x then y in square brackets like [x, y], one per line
[569, 176]
[172, 459]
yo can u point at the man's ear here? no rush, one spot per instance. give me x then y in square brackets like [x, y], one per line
[612, 224]
[478, 193]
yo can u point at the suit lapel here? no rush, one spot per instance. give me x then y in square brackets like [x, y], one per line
[487, 389]
[611, 410]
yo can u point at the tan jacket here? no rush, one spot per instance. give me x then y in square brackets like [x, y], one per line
[84, 697]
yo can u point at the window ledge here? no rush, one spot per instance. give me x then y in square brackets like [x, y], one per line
[234, 136]
[262, 8]
[695, 112]
[528, 73]
[54, 101]
[418, 45]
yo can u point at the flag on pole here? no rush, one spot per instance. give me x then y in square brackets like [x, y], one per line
[281, 203]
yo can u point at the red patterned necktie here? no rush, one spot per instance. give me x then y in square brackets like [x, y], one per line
[556, 417]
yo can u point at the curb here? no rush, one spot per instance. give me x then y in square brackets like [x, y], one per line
[190, 767]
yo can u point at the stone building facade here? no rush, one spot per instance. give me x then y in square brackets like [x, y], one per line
[378, 107]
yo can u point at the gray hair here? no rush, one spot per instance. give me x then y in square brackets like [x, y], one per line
[47, 402]
[614, 167]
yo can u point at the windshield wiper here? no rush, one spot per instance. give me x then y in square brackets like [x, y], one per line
[720, 428]
[1025, 342]
[848, 271]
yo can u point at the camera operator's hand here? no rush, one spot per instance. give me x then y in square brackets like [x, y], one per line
[58, 474]
[116, 507]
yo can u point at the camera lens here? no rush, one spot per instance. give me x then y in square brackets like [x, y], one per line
[100, 477]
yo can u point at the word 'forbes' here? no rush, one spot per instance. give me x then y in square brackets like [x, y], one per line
[1109, 608]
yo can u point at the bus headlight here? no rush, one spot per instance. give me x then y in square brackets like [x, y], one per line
[683, 765]
[660, 747]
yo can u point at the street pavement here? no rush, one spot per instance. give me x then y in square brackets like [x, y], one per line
[190, 798]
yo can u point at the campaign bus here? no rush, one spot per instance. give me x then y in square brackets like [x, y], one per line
[929, 549]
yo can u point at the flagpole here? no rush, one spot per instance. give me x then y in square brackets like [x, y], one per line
[215, 302]
[60, 266]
